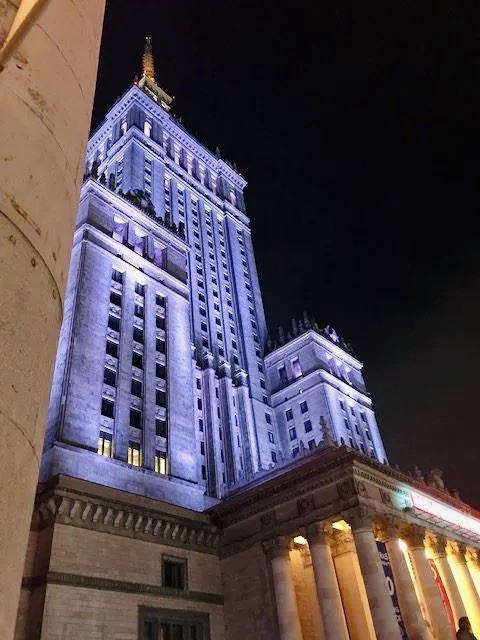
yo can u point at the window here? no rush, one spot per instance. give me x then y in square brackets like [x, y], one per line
[296, 368]
[160, 300]
[137, 360]
[347, 425]
[113, 322]
[107, 408]
[342, 406]
[289, 414]
[105, 445]
[160, 322]
[160, 428]
[160, 371]
[136, 388]
[200, 425]
[112, 349]
[308, 426]
[174, 573]
[311, 444]
[274, 456]
[202, 448]
[160, 345]
[110, 377]
[271, 437]
[134, 454]
[264, 399]
[350, 439]
[117, 276]
[295, 452]
[268, 418]
[292, 433]
[139, 289]
[204, 472]
[367, 433]
[161, 462]
[115, 298]
[135, 418]
[199, 404]
[260, 368]
[352, 411]
[282, 374]
[303, 407]
[363, 416]
[138, 335]
[160, 398]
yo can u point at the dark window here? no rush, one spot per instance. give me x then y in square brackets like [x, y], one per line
[347, 425]
[274, 456]
[352, 411]
[160, 322]
[137, 360]
[262, 383]
[295, 451]
[115, 298]
[107, 408]
[161, 428]
[199, 384]
[113, 322]
[110, 377]
[112, 349]
[271, 437]
[138, 310]
[204, 472]
[160, 300]
[199, 403]
[139, 288]
[117, 276]
[219, 336]
[357, 429]
[289, 414]
[342, 406]
[308, 426]
[136, 388]
[160, 345]
[303, 407]
[200, 425]
[135, 418]
[174, 577]
[202, 448]
[268, 418]
[203, 312]
[311, 444]
[138, 335]
[362, 415]
[160, 371]
[160, 398]
[265, 399]
[292, 433]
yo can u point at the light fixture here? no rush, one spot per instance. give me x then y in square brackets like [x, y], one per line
[300, 540]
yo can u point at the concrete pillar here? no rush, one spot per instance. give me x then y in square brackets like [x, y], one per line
[381, 606]
[473, 567]
[47, 90]
[285, 600]
[456, 557]
[352, 587]
[414, 536]
[436, 545]
[388, 532]
[328, 592]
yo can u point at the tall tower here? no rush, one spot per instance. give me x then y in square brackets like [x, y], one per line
[160, 382]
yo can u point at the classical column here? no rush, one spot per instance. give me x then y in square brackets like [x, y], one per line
[456, 557]
[328, 592]
[414, 535]
[473, 566]
[381, 606]
[46, 87]
[287, 611]
[388, 532]
[352, 587]
[436, 545]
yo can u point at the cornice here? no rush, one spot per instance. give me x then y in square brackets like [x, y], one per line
[84, 510]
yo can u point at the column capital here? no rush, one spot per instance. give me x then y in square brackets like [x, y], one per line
[341, 542]
[277, 547]
[413, 535]
[386, 527]
[472, 556]
[456, 551]
[436, 543]
[360, 518]
[316, 533]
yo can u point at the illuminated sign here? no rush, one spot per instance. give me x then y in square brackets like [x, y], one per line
[446, 513]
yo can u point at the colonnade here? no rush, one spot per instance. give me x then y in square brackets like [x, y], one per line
[352, 592]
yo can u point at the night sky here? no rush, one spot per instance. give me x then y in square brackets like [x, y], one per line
[357, 127]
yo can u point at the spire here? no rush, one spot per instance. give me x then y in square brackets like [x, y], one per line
[147, 81]
[147, 60]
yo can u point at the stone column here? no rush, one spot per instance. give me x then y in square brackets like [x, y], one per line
[328, 592]
[473, 567]
[287, 611]
[436, 545]
[388, 532]
[456, 557]
[381, 606]
[47, 88]
[414, 536]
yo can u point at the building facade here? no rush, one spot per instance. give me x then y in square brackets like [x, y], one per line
[199, 482]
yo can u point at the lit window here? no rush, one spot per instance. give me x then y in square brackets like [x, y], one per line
[296, 368]
[147, 128]
[161, 462]
[105, 445]
[134, 454]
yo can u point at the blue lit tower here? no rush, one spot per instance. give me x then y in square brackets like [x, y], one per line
[159, 385]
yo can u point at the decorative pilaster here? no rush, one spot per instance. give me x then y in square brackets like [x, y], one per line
[456, 556]
[414, 537]
[436, 545]
[277, 551]
[387, 531]
[381, 606]
[328, 592]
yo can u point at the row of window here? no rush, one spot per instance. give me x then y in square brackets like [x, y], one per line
[134, 456]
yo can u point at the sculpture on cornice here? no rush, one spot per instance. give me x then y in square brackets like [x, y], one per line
[418, 474]
[332, 334]
[435, 479]
[328, 441]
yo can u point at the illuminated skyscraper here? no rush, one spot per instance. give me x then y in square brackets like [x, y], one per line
[161, 381]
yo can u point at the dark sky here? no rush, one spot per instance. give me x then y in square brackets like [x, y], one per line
[357, 127]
